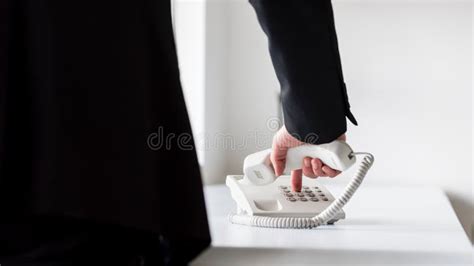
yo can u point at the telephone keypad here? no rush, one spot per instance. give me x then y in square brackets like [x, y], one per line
[313, 194]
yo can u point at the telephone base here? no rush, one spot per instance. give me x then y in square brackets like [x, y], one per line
[276, 199]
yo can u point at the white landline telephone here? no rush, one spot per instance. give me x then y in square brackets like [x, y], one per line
[266, 201]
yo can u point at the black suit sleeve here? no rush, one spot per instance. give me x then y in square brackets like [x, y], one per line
[303, 46]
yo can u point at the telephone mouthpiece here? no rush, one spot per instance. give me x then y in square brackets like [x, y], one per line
[258, 168]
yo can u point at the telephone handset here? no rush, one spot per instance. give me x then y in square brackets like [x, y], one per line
[265, 200]
[337, 155]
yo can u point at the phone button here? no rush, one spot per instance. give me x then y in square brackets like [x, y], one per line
[303, 199]
[314, 199]
[291, 199]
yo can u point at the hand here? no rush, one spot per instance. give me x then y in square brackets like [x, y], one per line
[311, 167]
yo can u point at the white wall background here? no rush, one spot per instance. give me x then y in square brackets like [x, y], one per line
[189, 21]
[408, 68]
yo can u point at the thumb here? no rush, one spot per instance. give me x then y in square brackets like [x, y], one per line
[278, 158]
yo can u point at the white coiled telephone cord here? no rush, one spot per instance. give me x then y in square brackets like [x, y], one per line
[320, 219]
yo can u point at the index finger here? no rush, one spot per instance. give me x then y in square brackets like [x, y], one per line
[296, 180]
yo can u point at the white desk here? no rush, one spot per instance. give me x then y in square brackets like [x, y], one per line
[384, 225]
